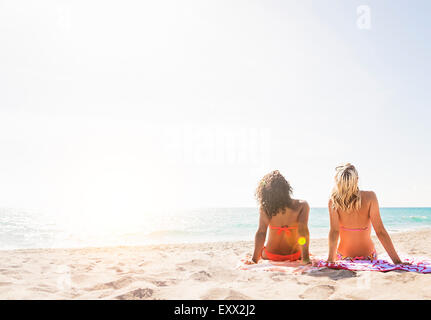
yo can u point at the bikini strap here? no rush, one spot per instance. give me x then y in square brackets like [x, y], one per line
[281, 229]
[354, 229]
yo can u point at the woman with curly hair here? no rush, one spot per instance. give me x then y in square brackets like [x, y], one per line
[351, 212]
[286, 218]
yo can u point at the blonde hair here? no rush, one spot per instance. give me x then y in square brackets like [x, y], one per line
[345, 195]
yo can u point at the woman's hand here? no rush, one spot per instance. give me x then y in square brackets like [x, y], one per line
[406, 263]
[249, 261]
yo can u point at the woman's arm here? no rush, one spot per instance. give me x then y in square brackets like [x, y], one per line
[334, 232]
[259, 239]
[303, 233]
[381, 232]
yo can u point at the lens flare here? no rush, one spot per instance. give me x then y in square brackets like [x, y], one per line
[302, 241]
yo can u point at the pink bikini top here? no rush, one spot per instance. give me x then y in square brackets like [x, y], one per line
[359, 229]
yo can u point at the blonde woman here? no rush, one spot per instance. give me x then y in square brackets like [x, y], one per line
[351, 212]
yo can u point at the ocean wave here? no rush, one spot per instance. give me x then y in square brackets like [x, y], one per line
[21, 231]
[162, 233]
[416, 218]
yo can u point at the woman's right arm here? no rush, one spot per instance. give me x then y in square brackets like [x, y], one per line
[380, 230]
[334, 232]
[259, 239]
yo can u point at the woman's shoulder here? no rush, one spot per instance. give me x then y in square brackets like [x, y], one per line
[368, 196]
[300, 204]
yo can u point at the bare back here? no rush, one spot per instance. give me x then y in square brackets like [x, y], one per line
[355, 228]
[285, 243]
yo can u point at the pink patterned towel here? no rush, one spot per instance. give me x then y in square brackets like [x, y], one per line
[417, 265]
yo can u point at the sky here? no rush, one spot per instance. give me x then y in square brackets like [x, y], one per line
[136, 106]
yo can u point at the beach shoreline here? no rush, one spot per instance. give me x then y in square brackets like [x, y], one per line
[198, 271]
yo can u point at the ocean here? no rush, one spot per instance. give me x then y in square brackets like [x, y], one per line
[22, 229]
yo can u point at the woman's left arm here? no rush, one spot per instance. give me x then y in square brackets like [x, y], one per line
[303, 233]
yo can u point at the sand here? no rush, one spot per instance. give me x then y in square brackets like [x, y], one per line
[198, 271]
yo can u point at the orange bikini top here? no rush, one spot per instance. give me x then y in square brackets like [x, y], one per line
[285, 229]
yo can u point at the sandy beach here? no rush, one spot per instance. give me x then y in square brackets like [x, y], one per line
[198, 271]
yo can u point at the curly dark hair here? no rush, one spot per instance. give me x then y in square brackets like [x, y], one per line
[273, 193]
